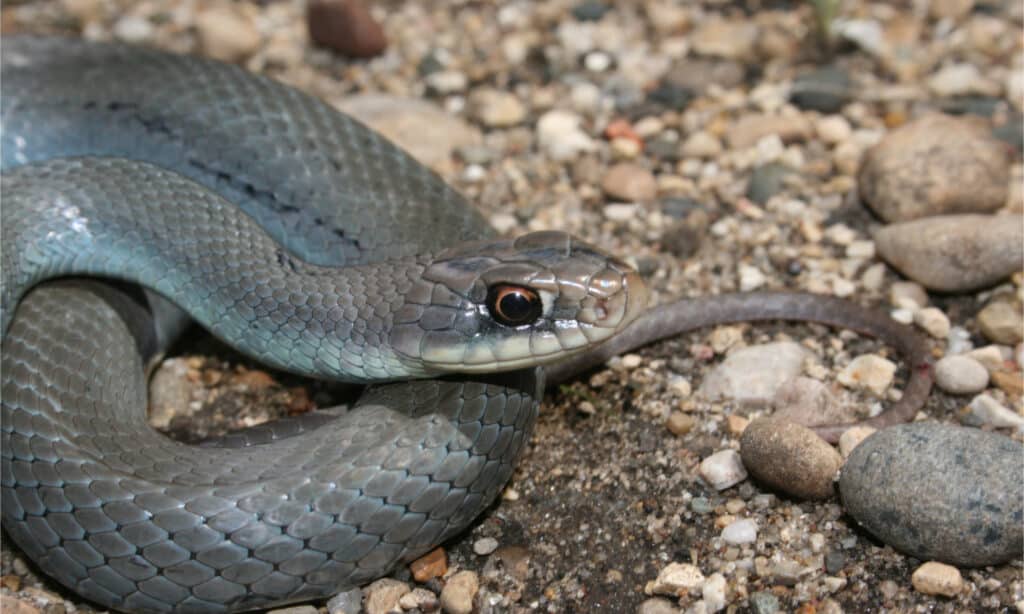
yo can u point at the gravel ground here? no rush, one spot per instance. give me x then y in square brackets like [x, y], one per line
[667, 134]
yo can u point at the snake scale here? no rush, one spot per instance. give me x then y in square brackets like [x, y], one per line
[306, 240]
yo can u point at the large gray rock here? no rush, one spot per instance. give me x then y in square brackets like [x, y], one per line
[939, 492]
[933, 166]
[954, 253]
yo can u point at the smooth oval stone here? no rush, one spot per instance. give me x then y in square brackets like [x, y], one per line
[939, 492]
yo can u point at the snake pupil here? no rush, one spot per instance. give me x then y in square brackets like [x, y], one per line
[513, 305]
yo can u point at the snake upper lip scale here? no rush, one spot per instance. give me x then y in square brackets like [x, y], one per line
[354, 262]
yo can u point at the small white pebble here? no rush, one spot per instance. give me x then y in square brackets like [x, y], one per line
[597, 61]
[861, 249]
[620, 212]
[960, 375]
[992, 412]
[713, 591]
[503, 222]
[723, 469]
[485, 546]
[681, 386]
[908, 295]
[674, 579]
[751, 278]
[631, 361]
[740, 532]
[903, 316]
[843, 287]
[933, 321]
[840, 234]
[934, 578]
[868, 371]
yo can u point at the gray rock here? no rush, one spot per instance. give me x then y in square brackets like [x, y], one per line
[349, 602]
[789, 458]
[826, 90]
[763, 602]
[932, 166]
[939, 492]
[767, 181]
[954, 253]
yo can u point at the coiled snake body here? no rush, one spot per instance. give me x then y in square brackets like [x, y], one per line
[350, 261]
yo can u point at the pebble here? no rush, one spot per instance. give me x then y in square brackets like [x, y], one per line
[713, 591]
[630, 183]
[852, 437]
[13, 605]
[590, 10]
[939, 492]
[675, 580]
[740, 532]
[908, 294]
[751, 278]
[345, 26]
[419, 599]
[933, 322]
[723, 469]
[620, 212]
[169, 392]
[991, 357]
[417, 126]
[825, 89]
[445, 82]
[934, 578]
[953, 253]
[227, 34]
[433, 564]
[933, 166]
[961, 80]
[701, 144]
[296, 609]
[809, 402]
[750, 129]
[1012, 383]
[731, 39]
[986, 410]
[766, 181]
[485, 546]
[133, 29]
[459, 592]
[960, 375]
[349, 602]
[763, 602]
[560, 136]
[679, 423]
[870, 372]
[657, 605]
[833, 129]
[790, 458]
[753, 375]
[496, 108]
[1001, 321]
[381, 597]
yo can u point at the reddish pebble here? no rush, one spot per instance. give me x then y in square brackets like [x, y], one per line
[433, 564]
[621, 128]
[346, 26]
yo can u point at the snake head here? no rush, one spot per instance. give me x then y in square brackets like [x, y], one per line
[511, 303]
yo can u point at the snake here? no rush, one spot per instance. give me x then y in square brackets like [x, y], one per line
[143, 190]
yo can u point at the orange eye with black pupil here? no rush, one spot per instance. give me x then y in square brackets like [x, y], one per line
[513, 305]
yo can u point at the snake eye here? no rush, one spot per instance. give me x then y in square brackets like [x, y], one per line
[513, 305]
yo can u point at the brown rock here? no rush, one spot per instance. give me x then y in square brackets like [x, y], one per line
[1002, 321]
[1009, 382]
[954, 253]
[630, 183]
[933, 166]
[227, 33]
[345, 26]
[13, 605]
[752, 128]
[789, 458]
[433, 564]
